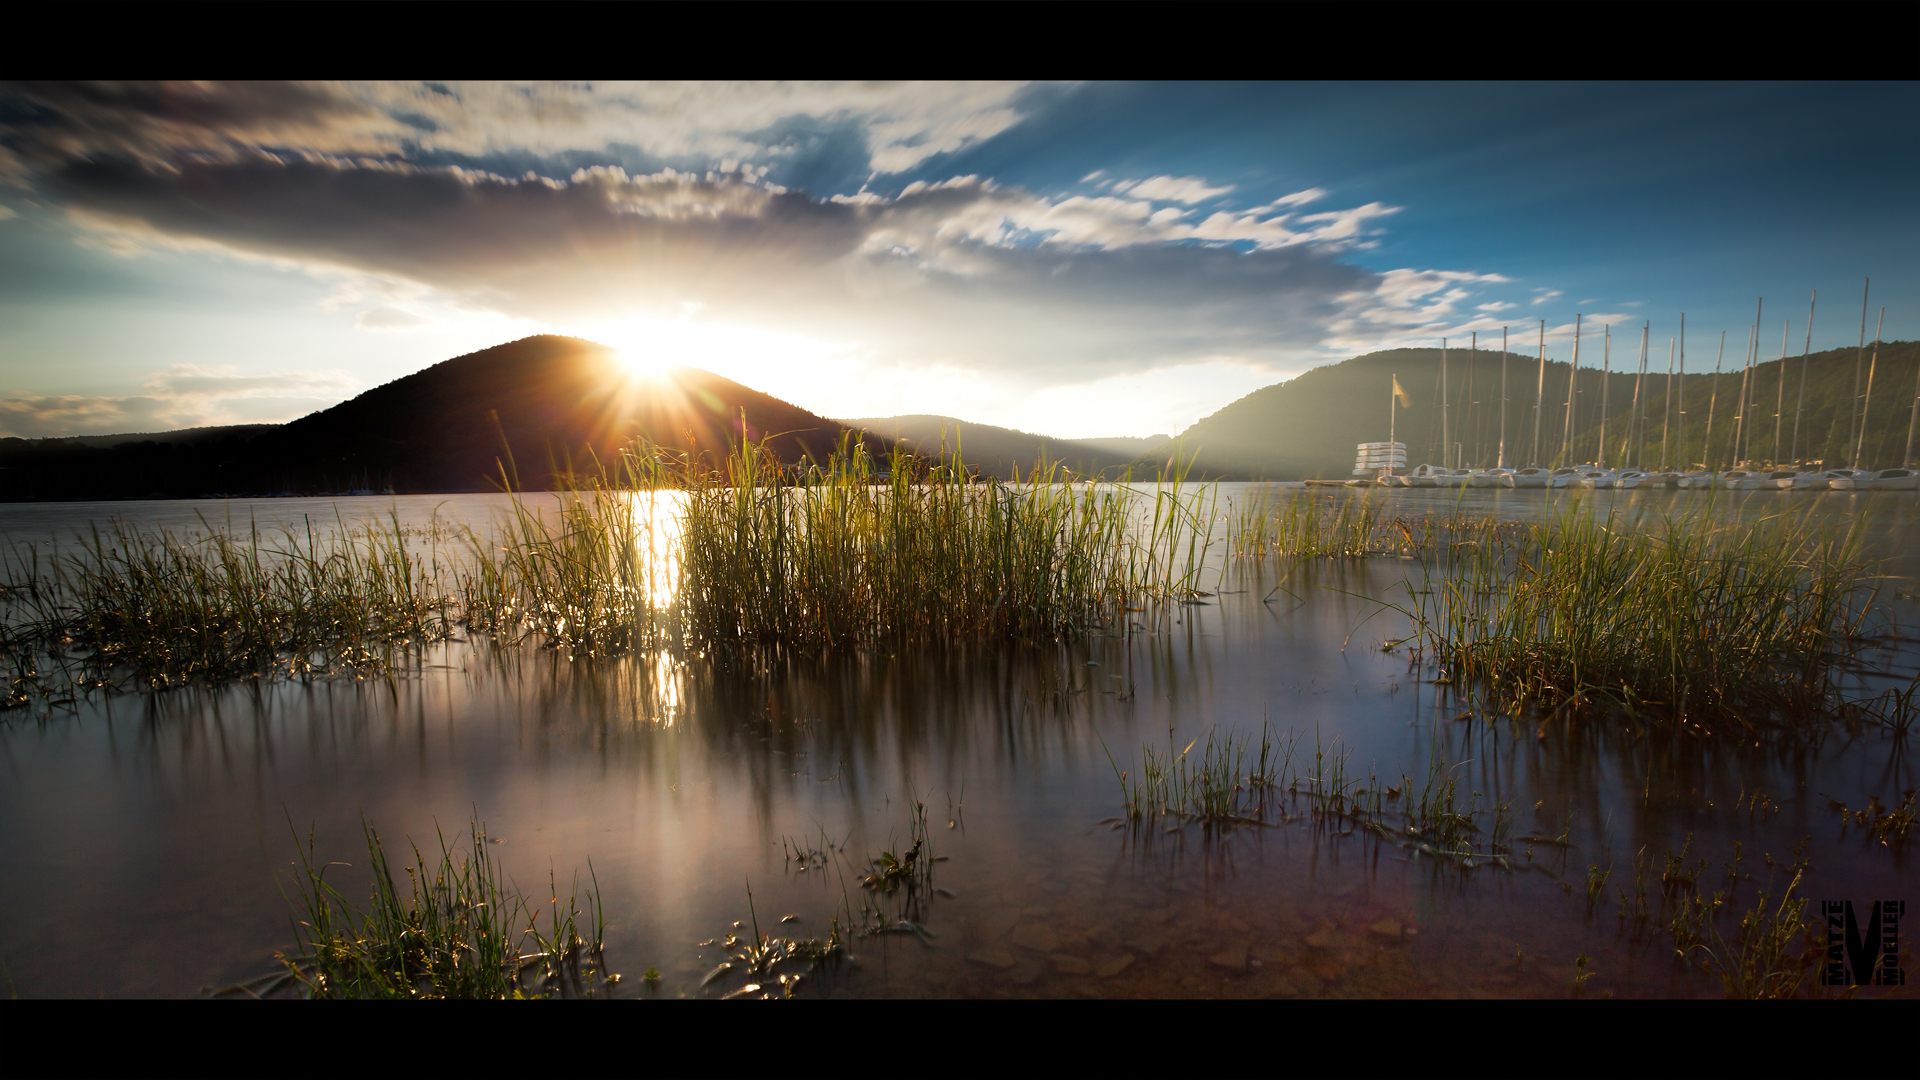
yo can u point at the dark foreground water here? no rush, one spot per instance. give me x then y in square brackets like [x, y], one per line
[146, 840]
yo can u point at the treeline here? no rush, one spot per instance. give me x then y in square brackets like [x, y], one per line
[44, 469]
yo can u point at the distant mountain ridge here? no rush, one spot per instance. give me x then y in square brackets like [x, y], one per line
[1004, 452]
[1308, 426]
[556, 402]
[176, 436]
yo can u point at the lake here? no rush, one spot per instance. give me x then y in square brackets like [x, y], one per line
[150, 837]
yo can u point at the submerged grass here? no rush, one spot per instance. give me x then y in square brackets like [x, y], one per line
[1233, 781]
[459, 931]
[1685, 619]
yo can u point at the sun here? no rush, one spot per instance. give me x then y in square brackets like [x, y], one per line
[645, 364]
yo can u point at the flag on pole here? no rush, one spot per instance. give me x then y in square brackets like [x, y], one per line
[1400, 393]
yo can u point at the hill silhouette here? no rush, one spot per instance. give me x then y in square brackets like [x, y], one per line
[1307, 426]
[1002, 452]
[555, 401]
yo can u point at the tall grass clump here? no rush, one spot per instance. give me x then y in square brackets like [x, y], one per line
[1307, 526]
[859, 551]
[594, 573]
[1686, 617]
[459, 930]
[1230, 780]
[168, 609]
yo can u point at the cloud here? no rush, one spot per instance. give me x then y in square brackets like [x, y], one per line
[1186, 189]
[942, 269]
[1297, 198]
[185, 395]
[1546, 295]
[901, 124]
[386, 318]
[367, 185]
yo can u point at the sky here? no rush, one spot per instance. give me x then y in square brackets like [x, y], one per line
[1080, 260]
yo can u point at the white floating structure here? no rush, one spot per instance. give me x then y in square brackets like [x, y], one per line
[1375, 459]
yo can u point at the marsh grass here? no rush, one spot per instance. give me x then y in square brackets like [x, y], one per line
[1681, 619]
[656, 550]
[1890, 827]
[894, 892]
[592, 573]
[757, 960]
[460, 930]
[1235, 781]
[164, 609]
[1229, 781]
[1772, 952]
[861, 552]
[1307, 525]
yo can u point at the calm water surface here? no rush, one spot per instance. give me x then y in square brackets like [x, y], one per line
[146, 839]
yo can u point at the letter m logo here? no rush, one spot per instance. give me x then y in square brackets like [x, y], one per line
[1858, 954]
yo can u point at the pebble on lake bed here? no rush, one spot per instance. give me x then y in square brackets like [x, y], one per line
[1037, 938]
[1071, 965]
[1230, 959]
[992, 956]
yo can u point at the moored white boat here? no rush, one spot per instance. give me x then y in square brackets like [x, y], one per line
[1560, 478]
[1629, 478]
[1741, 479]
[1883, 480]
[1697, 480]
[1524, 478]
[1486, 478]
[1594, 478]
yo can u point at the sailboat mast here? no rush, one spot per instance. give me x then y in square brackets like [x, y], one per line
[1503, 398]
[1853, 403]
[1801, 407]
[1753, 368]
[1635, 429]
[1540, 394]
[1740, 412]
[1666, 410]
[1606, 369]
[1473, 355]
[1680, 402]
[1859, 452]
[1780, 389]
[1713, 400]
[1573, 379]
[1906, 460]
[1446, 447]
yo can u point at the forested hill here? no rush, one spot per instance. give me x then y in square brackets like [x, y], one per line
[1308, 426]
[1003, 452]
[553, 400]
